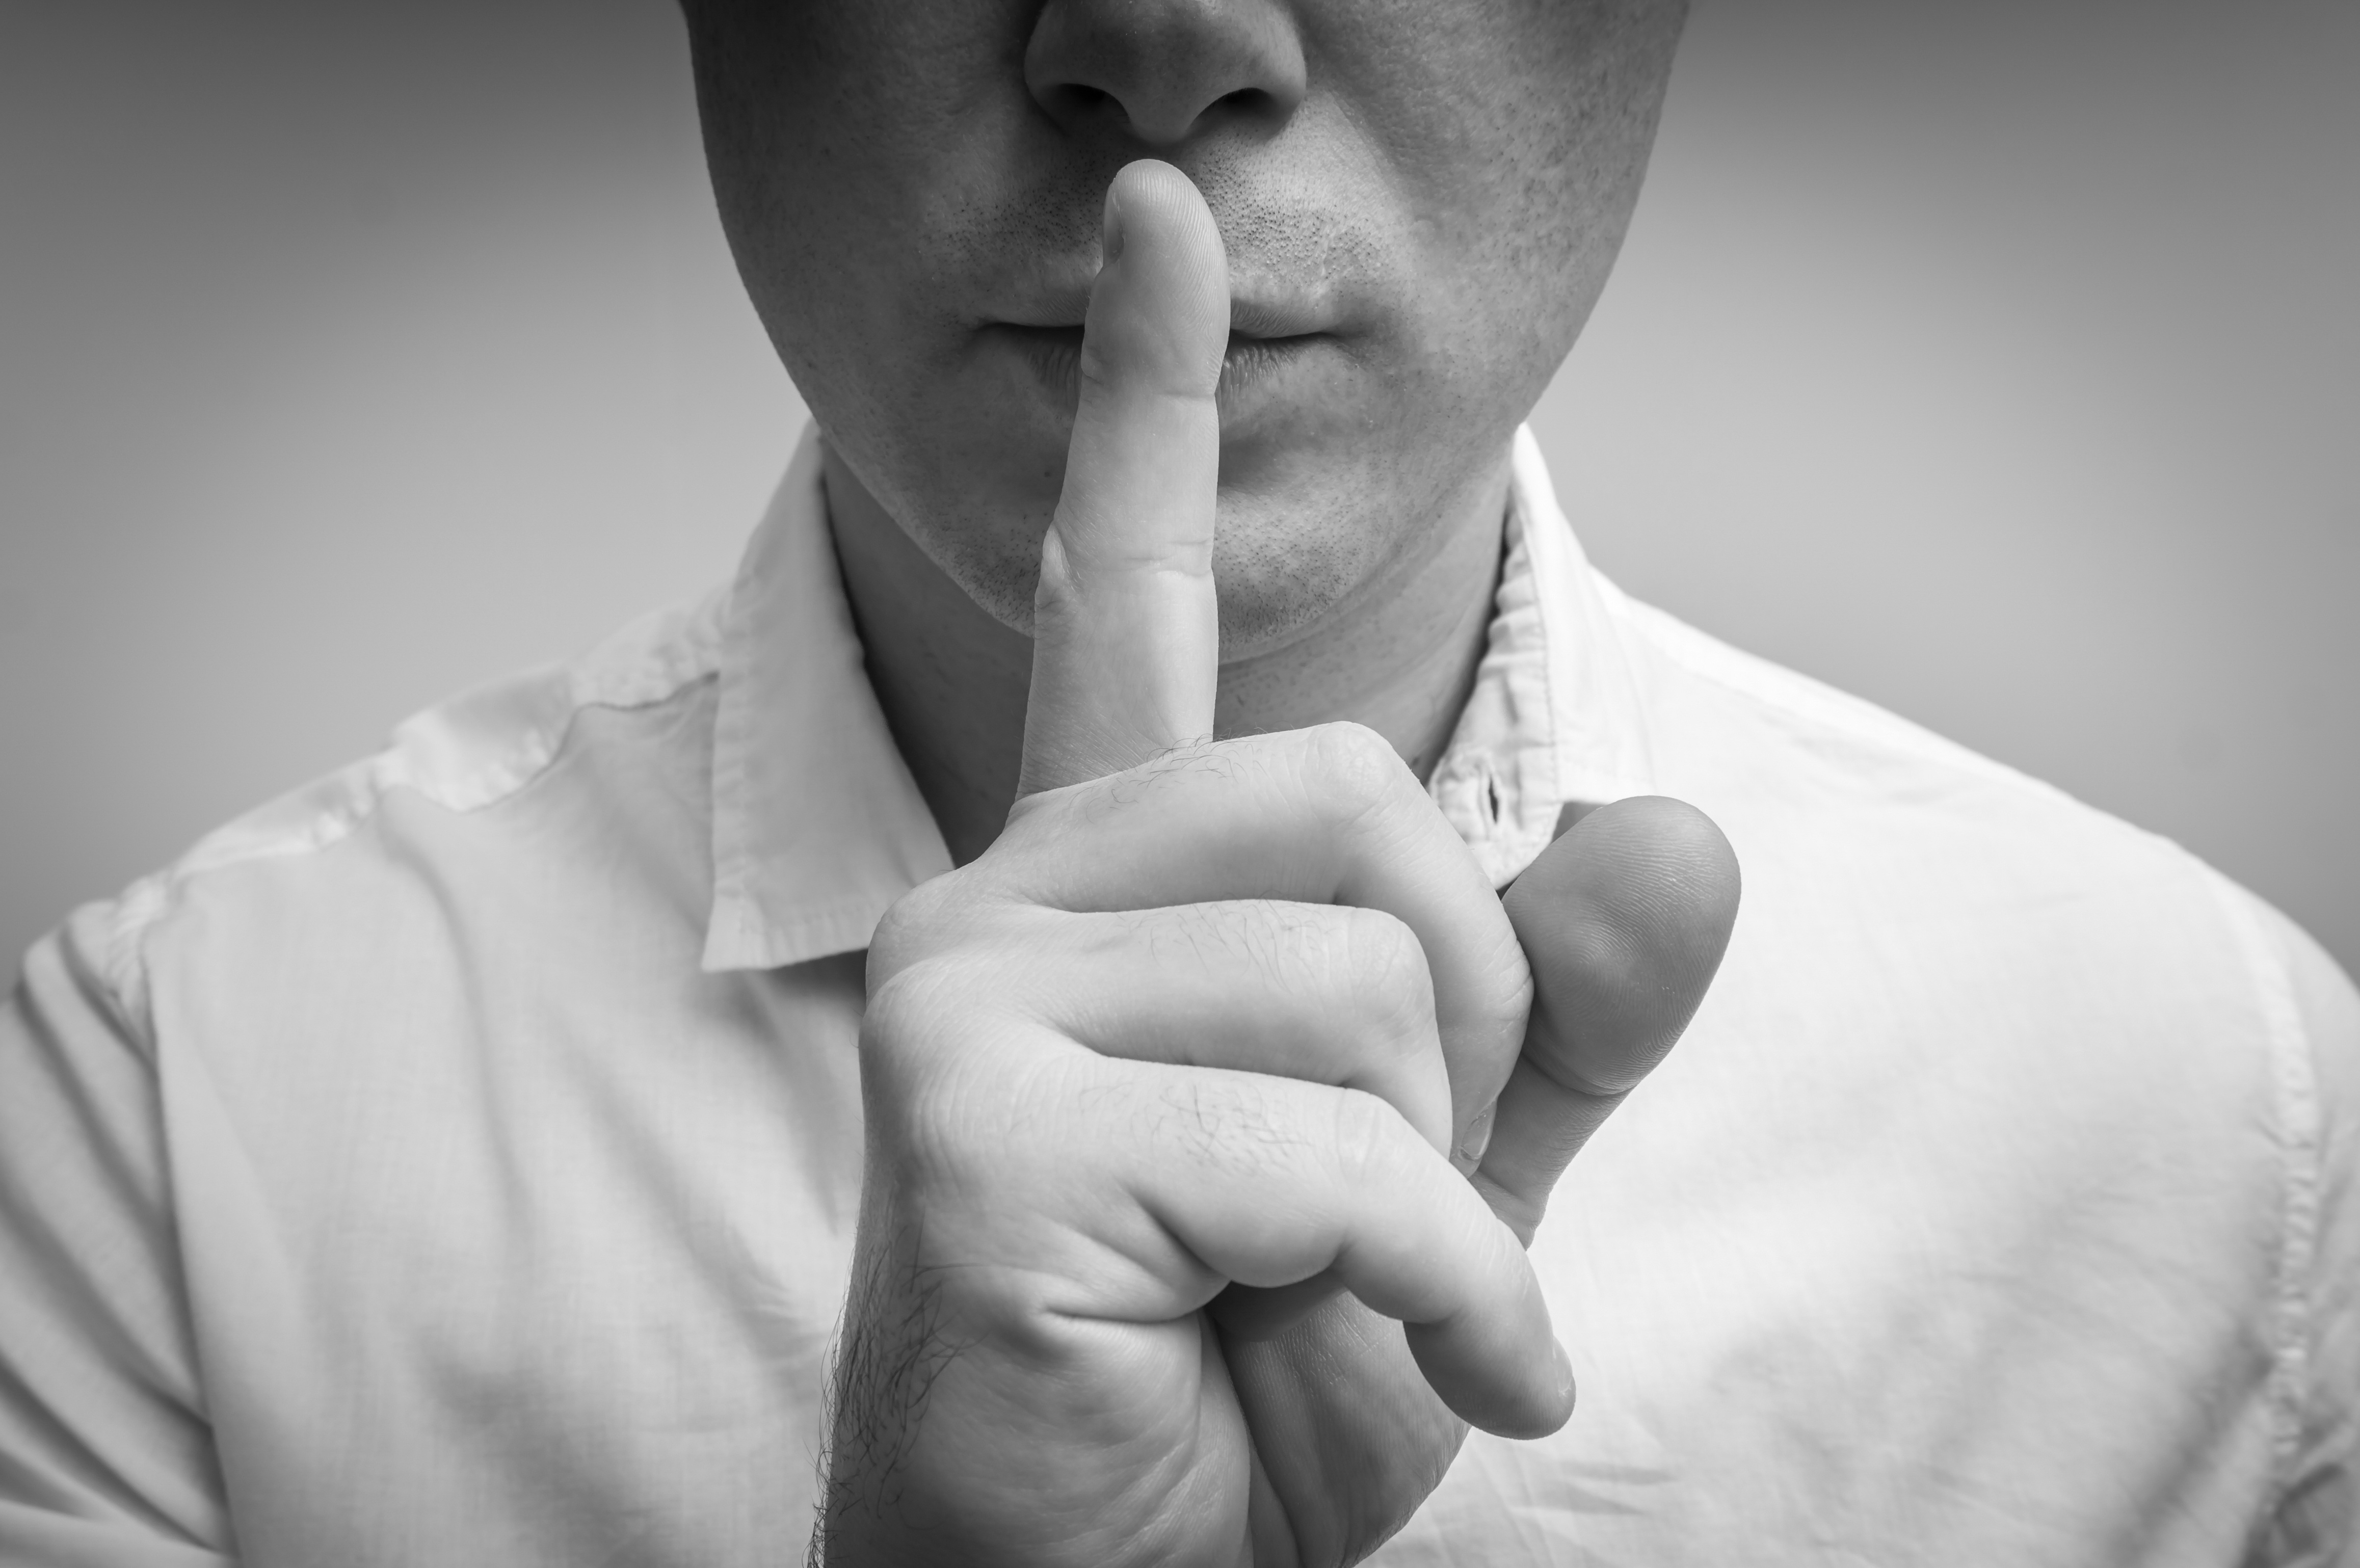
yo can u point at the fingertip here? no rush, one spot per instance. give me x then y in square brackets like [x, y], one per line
[1148, 190]
[1111, 225]
[1498, 1363]
[1562, 1403]
[1552, 1405]
[1624, 919]
[1158, 242]
[1137, 187]
[1660, 858]
[1528, 1402]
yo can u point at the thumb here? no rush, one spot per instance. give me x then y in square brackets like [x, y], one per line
[1624, 921]
[1126, 627]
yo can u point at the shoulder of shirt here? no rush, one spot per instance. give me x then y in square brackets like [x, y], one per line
[2304, 1009]
[466, 752]
[1805, 702]
[2279, 959]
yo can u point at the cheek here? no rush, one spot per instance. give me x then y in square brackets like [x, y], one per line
[866, 173]
[836, 135]
[1517, 136]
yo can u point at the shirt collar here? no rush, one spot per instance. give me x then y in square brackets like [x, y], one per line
[818, 827]
[1556, 714]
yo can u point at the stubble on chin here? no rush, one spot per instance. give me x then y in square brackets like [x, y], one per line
[1281, 574]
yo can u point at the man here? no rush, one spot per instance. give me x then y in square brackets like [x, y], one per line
[470, 1157]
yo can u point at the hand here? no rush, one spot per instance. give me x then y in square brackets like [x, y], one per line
[1207, 1015]
[1624, 921]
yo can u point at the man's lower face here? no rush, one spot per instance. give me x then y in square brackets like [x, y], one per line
[1419, 203]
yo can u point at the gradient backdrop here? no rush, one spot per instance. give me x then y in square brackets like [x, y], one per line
[1995, 360]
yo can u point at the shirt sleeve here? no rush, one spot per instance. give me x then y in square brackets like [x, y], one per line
[105, 1457]
[2316, 1522]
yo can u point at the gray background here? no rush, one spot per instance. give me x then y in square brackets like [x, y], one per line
[1996, 361]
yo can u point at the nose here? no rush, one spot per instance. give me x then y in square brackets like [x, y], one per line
[1166, 70]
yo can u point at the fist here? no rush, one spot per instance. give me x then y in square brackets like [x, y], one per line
[1205, 1124]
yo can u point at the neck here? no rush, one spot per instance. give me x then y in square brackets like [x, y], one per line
[1399, 656]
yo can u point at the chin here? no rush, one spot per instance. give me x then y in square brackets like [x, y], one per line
[1279, 576]
[1272, 598]
[1305, 520]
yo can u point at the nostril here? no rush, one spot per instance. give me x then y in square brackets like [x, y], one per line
[1160, 71]
[1078, 98]
[1079, 101]
[1251, 104]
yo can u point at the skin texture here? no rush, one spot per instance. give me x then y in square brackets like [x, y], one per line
[1175, 1094]
[1203, 1119]
[1419, 205]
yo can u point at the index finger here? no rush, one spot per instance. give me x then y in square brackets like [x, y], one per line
[1126, 635]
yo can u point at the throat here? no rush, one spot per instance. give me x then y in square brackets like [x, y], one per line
[1401, 655]
[950, 678]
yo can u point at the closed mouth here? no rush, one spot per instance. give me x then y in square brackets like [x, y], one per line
[1055, 355]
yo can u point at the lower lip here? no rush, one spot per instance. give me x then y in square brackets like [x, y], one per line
[1253, 370]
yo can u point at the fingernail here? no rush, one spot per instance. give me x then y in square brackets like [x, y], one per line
[1476, 1139]
[1111, 230]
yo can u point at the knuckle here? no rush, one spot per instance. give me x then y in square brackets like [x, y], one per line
[1217, 1121]
[903, 1036]
[1520, 1210]
[940, 916]
[910, 929]
[1208, 937]
[895, 946]
[1383, 972]
[1368, 1147]
[1291, 947]
[911, 1004]
[1355, 769]
[952, 994]
[956, 1100]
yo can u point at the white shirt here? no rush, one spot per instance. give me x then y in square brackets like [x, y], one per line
[456, 1161]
